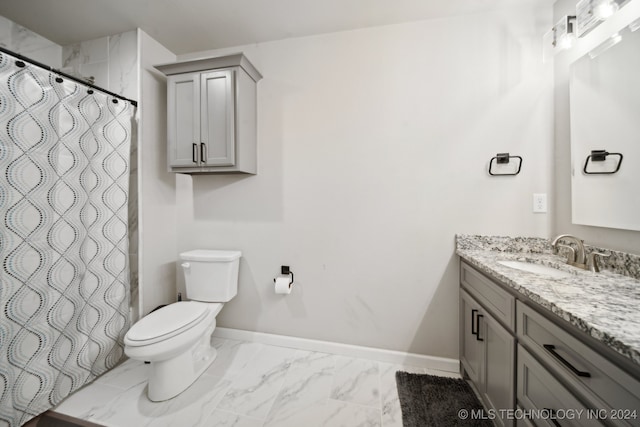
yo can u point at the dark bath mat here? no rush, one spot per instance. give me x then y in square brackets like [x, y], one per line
[427, 400]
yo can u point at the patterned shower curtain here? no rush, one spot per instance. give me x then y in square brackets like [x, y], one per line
[64, 291]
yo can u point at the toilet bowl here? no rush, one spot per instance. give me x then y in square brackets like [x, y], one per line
[176, 339]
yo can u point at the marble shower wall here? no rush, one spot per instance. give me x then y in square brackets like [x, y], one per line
[25, 42]
[112, 62]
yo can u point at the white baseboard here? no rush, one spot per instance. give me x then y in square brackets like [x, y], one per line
[378, 354]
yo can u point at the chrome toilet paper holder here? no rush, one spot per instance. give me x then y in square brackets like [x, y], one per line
[284, 269]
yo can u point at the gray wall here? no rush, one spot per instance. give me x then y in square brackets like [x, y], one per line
[157, 198]
[373, 152]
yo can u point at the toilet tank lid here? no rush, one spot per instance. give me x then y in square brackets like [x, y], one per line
[210, 255]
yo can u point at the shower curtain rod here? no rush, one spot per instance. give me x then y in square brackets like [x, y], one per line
[68, 76]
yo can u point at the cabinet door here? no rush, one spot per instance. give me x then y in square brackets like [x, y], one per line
[472, 346]
[498, 367]
[183, 133]
[217, 118]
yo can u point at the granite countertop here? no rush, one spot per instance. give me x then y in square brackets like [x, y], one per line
[605, 305]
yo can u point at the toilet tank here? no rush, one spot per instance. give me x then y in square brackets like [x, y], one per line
[210, 275]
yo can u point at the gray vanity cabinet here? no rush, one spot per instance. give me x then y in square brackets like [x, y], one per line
[519, 355]
[487, 345]
[211, 115]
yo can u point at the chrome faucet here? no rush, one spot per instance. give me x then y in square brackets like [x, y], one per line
[577, 257]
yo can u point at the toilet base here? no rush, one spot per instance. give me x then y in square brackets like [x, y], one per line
[169, 378]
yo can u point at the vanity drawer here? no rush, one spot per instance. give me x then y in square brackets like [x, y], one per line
[602, 383]
[538, 390]
[499, 302]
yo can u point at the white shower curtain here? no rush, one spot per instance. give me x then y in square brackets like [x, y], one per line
[64, 293]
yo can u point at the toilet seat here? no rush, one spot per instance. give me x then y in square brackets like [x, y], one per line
[167, 322]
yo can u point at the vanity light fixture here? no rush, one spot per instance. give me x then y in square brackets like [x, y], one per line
[560, 37]
[563, 33]
[591, 12]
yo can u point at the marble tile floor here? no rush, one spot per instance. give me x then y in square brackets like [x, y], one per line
[252, 384]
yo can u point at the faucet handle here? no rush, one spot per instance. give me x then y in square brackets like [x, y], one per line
[592, 261]
[572, 252]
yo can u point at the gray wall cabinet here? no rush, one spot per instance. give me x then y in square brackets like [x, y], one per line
[211, 115]
[519, 355]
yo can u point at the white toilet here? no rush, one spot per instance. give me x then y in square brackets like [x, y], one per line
[176, 339]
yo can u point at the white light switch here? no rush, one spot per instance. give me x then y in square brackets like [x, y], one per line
[539, 202]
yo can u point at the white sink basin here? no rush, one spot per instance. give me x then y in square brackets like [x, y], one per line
[535, 268]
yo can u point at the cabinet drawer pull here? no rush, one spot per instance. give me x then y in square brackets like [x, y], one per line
[552, 349]
[203, 152]
[194, 153]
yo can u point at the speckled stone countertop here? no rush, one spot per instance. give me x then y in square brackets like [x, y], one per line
[605, 305]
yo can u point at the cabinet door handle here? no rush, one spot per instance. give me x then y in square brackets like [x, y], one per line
[475, 324]
[552, 417]
[552, 349]
[203, 152]
[480, 316]
[194, 153]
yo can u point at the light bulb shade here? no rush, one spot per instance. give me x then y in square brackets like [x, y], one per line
[565, 42]
[604, 9]
[589, 13]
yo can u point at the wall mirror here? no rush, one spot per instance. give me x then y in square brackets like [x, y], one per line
[605, 116]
